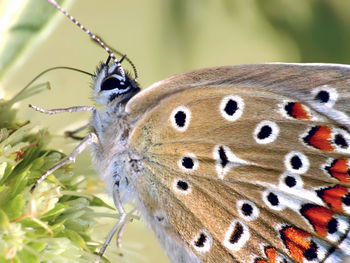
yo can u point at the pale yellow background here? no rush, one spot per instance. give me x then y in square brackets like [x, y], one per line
[216, 33]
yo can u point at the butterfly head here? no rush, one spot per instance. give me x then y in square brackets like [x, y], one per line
[110, 86]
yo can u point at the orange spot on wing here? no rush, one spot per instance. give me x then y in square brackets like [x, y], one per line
[271, 254]
[339, 169]
[320, 138]
[299, 112]
[319, 217]
[296, 241]
[333, 196]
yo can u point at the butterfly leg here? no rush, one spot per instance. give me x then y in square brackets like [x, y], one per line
[109, 238]
[122, 228]
[121, 222]
[71, 134]
[90, 138]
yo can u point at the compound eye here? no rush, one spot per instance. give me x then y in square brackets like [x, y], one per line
[113, 82]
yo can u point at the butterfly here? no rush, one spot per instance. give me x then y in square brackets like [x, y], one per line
[246, 163]
[236, 164]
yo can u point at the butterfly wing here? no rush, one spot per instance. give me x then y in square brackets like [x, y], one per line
[317, 85]
[247, 163]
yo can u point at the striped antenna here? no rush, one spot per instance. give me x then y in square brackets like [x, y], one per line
[92, 35]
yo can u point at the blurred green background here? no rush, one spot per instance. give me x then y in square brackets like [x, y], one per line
[165, 37]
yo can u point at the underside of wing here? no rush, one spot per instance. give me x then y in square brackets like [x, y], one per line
[243, 173]
[324, 87]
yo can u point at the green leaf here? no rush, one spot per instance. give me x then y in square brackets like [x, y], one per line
[6, 173]
[4, 221]
[37, 246]
[53, 213]
[18, 183]
[76, 238]
[14, 207]
[96, 201]
[27, 256]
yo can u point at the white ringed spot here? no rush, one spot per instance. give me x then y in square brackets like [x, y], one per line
[231, 107]
[272, 200]
[325, 95]
[266, 132]
[296, 162]
[181, 186]
[237, 235]
[290, 181]
[180, 118]
[202, 241]
[188, 163]
[247, 210]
